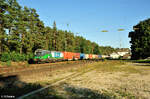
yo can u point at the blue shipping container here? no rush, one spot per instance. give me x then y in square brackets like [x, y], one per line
[82, 56]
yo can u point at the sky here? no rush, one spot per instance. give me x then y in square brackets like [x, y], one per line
[88, 18]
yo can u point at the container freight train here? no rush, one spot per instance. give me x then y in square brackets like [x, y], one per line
[53, 56]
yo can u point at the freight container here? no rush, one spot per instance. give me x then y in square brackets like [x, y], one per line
[93, 56]
[90, 56]
[96, 56]
[82, 56]
[68, 55]
[86, 56]
[99, 56]
[56, 56]
[76, 56]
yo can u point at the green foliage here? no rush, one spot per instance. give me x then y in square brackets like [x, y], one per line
[8, 63]
[29, 56]
[106, 50]
[5, 57]
[140, 40]
[22, 32]
[17, 57]
[14, 56]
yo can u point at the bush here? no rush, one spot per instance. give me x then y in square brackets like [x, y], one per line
[17, 57]
[22, 57]
[8, 63]
[14, 56]
[5, 57]
[29, 56]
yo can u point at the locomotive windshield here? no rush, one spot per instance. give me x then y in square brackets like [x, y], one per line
[38, 54]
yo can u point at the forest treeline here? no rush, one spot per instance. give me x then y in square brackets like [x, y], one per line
[22, 31]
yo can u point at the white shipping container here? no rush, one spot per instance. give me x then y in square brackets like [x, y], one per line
[53, 53]
[86, 56]
[57, 54]
[61, 54]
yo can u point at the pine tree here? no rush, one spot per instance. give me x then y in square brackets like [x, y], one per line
[12, 16]
[3, 7]
[22, 31]
[54, 44]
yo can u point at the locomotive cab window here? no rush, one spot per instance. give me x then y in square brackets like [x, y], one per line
[38, 54]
